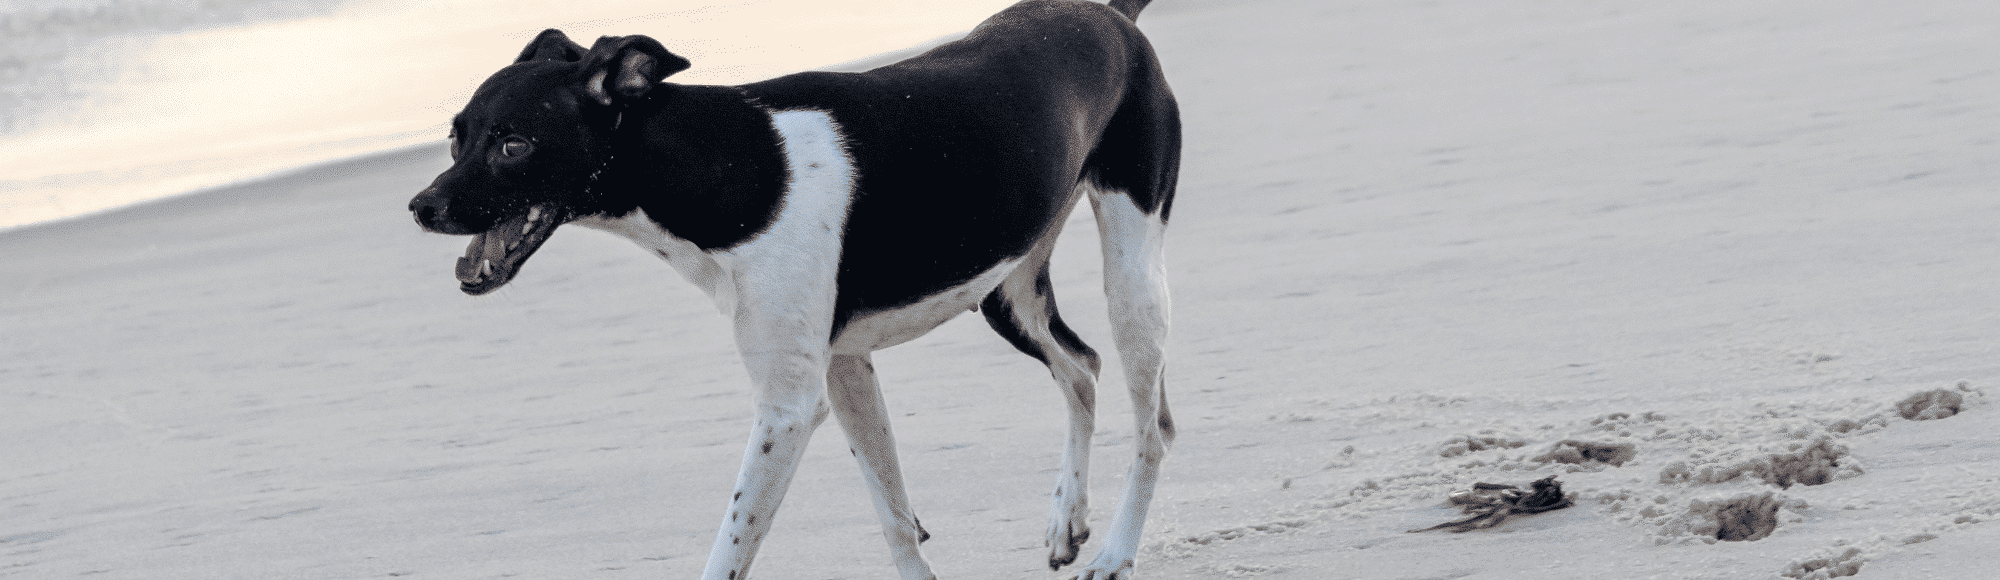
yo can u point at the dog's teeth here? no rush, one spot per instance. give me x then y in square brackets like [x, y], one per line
[513, 244]
[485, 268]
[534, 213]
[525, 228]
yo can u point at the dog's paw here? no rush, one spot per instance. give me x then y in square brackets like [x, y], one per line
[1067, 527]
[1101, 570]
[1065, 541]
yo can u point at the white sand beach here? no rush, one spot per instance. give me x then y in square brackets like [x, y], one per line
[1416, 246]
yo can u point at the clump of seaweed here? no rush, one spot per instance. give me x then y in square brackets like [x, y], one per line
[1492, 503]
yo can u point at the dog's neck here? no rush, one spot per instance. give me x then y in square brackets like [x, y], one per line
[590, 187]
[702, 161]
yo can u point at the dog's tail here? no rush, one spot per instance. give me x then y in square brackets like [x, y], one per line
[1130, 8]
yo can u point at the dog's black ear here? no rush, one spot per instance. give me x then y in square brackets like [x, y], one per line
[625, 67]
[551, 44]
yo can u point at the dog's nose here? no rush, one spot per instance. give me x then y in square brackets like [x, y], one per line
[425, 212]
[427, 206]
[425, 215]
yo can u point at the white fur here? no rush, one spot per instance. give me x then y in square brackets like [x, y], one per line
[1135, 268]
[697, 266]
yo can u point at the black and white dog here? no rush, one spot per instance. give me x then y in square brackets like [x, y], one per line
[831, 215]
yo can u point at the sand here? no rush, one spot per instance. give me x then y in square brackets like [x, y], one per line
[1417, 246]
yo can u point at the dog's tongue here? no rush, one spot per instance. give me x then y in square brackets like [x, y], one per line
[486, 257]
[477, 263]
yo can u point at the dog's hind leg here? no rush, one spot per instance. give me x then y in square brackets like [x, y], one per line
[1135, 284]
[1131, 177]
[1023, 310]
[857, 404]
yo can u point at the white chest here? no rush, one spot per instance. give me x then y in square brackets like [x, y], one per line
[712, 273]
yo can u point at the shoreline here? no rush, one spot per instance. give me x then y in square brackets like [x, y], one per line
[209, 197]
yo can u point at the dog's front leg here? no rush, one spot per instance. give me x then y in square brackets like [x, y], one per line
[789, 379]
[782, 291]
[857, 401]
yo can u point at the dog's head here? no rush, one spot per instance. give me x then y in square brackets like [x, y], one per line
[529, 145]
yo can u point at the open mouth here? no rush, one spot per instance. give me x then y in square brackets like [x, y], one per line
[496, 255]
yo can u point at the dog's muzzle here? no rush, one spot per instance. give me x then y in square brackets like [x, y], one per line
[494, 255]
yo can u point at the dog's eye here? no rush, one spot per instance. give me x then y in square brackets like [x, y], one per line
[516, 147]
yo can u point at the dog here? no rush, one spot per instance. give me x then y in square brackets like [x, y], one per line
[830, 215]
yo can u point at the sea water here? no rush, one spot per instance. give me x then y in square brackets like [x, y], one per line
[105, 103]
